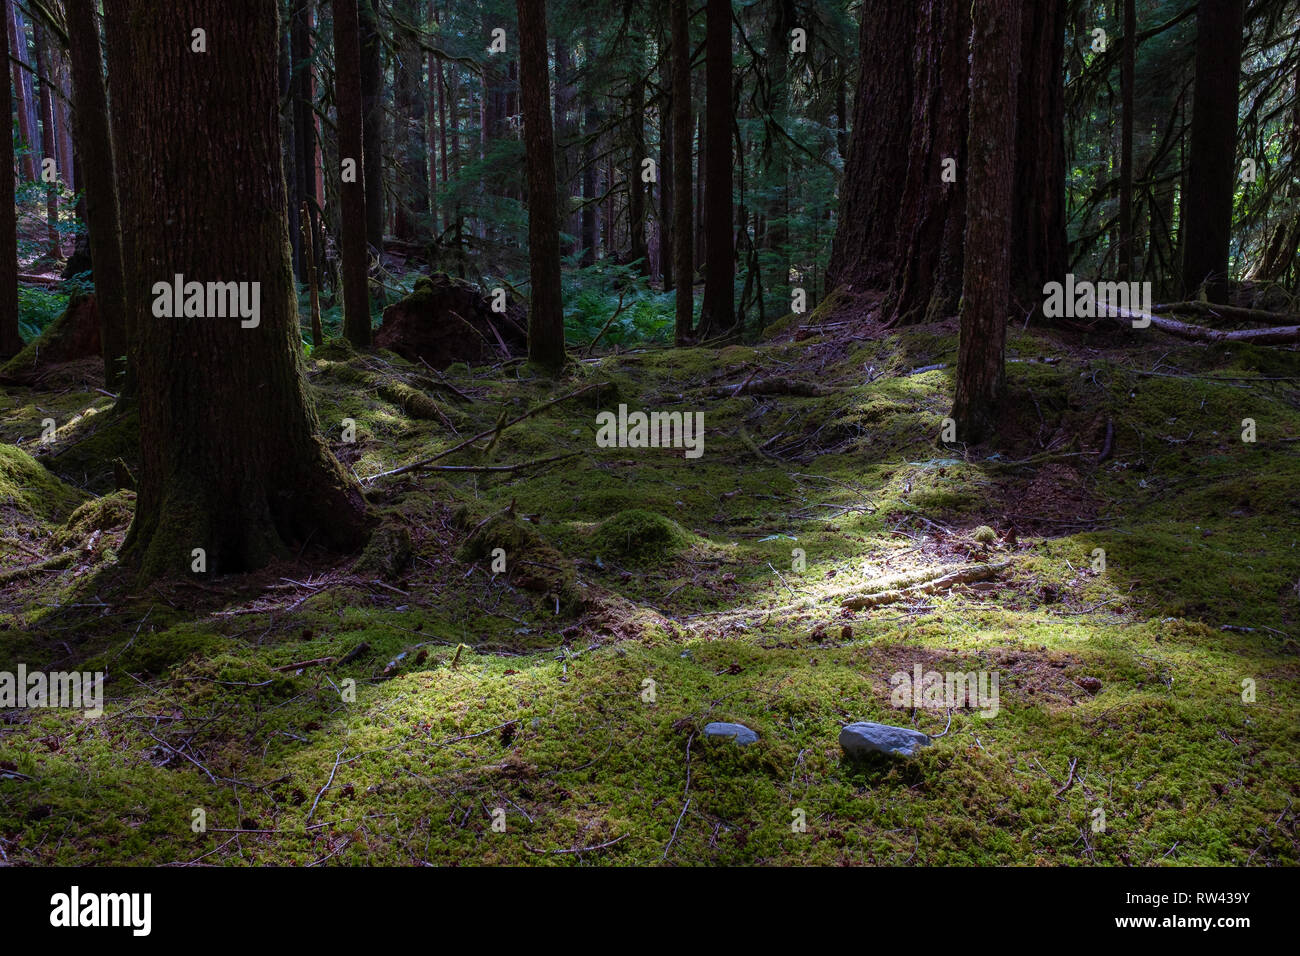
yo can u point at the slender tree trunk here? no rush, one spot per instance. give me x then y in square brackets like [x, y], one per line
[63, 121]
[1128, 58]
[546, 311]
[231, 466]
[636, 187]
[410, 118]
[103, 219]
[348, 96]
[666, 170]
[45, 71]
[683, 232]
[10, 341]
[22, 88]
[986, 280]
[718, 309]
[1211, 173]
[590, 226]
[372, 88]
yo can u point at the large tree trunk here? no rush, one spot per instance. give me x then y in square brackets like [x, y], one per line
[1038, 239]
[230, 460]
[304, 126]
[1211, 173]
[546, 312]
[666, 161]
[10, 341]
[683, 233]
[103, 220]
[347, 94]
[862, 253]
[566, 132]
[986, 279]
[636, 187]
[718, 310]
[372, 89]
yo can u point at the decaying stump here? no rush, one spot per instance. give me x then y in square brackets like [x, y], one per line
[447, 320]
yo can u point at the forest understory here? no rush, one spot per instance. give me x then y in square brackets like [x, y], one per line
[647, 594]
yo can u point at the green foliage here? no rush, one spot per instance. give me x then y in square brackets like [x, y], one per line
[592, 296]
[38, 308]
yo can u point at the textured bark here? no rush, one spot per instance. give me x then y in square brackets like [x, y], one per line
[986, 280]
[666, 122]
[546, 312]
[776, 163]
[637, 188]
[63, 121]
[683, 233]
[304, 128]
[1038, 243]
[348, 97]
[862, 253]
[718, 309]
[590, 207]
[1211, 172]
[372, 89]
[10, 341]
[230, 459]
[566, 132]
[103, 219]
[932, 221]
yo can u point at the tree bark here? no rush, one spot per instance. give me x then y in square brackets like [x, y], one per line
[103, 219]
[546, 311]
[348, 97]
[1127, 61]
[718, 309]
[10, 341]
[414, 169]
[986, 279]
[230, 460]
[683, 233]
[1211, 172]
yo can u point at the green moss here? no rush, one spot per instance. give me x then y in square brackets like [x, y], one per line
[387, 552]
[26, 486]
[985, 535]
[111, 512]
[640, 537]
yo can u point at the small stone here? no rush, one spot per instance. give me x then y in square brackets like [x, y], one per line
[1090, 684]
[737, 732]
[862, 738]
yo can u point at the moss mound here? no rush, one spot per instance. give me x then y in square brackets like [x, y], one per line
[28, 487]
[640, 537]
[109, 513]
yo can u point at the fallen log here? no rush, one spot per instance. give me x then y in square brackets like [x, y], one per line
[940, 581]
[1233, 313]
[1277, 335]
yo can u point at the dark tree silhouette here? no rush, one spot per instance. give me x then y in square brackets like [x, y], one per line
[546, 311]
[347, 93]
[10, 341]
[717, 310]
[1211, 168]
[683, 233]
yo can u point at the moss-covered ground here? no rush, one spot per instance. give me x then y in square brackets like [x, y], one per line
[448, 710]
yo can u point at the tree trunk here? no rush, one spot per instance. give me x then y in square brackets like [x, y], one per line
[372, 110]
[230, 460]
[718, 309]
[348, 97]
[863, 250]
[666, 162]
[22, 90]
[45, 73]
[636, 187]
[683, 232]
[304, 126]
[1127, 60]
[10, 341]
[413, 150]
[986, 279]
[590, 227]
[1038, 239]
[103, 219]
[546, 312]
[1211, 173]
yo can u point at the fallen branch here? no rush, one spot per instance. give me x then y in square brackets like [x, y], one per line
[311, 663]
[578, 849]
[1230, 312]
[1277, 335]
[773, 386]
[939, 582]
[518, 467]
[605, 328]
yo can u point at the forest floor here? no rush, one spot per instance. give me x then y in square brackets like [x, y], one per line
[648, 594]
